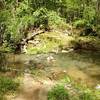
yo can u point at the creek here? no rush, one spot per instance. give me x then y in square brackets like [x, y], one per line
[81, 66]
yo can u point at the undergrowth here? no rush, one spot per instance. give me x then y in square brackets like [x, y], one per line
[7, 85]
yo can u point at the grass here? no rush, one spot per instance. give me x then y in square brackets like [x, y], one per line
[72, 92]
[58, 92]
[52, 41]
[48, 42]
[7, 85]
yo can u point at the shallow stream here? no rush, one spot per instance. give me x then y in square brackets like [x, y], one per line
[81, 66]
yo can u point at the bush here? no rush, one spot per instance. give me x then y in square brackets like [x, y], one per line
[16, 21]
[55, 21]
[41, 18]
[80, 23]
[58, 93]
[89, 14]
[47, 18]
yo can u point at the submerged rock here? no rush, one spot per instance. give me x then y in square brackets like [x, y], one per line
[50, 58]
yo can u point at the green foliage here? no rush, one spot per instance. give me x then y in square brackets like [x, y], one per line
[49, 4]
[55, 21]
[18, 16]
[58, 93]
[19, 22]
[87, 95]
[7, 85]
[74, 92]
[80, 23]
[46, 18]
[41, 18]
[88, 19]
[42, 48]
[89, 14]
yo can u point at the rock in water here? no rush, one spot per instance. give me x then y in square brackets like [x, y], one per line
[50, 58]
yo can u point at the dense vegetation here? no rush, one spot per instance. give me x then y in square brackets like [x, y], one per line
[66, 25]
[19, 17]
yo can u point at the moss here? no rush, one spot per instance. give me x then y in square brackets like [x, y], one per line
[48, 42]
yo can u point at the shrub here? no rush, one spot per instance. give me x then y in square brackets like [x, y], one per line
[55, 21]
[80, 23]
[47, 18]
[89, 14]
[16, 22]
[58, 93]
[41, 18]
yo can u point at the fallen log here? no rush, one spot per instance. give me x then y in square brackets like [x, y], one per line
[24, 41]
[33, 35]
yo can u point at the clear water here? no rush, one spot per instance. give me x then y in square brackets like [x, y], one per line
[81, 65]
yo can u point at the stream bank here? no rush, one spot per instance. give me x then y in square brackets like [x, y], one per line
[44, 70]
